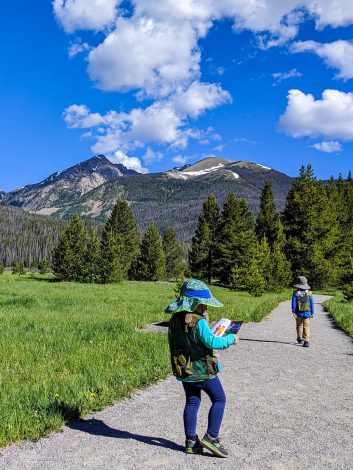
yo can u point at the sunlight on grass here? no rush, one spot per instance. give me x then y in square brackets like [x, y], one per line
[68, 349]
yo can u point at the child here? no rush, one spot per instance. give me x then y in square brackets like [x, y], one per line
[302, 309]
[195, 364]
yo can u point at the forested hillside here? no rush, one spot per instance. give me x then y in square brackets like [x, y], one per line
[26, 237]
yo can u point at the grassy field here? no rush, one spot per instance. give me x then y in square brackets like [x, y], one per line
[342, 312]
[68, 349]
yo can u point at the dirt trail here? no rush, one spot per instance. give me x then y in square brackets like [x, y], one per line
[288, 408]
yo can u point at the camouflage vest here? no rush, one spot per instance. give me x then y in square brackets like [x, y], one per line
[190, 359]
[303, 301]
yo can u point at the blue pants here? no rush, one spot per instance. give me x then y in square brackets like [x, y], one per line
[214, 390]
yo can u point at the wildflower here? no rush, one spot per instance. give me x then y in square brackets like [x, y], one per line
[92, 394]
[56, 395]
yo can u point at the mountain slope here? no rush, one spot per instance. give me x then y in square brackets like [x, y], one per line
[171, 200]
[64, 187]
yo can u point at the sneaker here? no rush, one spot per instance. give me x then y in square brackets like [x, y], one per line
[214, 445]
[193, 446]
[299, 340]
[306, 344]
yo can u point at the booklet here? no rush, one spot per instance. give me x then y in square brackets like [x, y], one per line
[224, 325]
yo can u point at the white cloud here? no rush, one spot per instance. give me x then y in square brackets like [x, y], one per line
[280, 76]
[85, 14]
[200, 97]
[219, 148]
[77, 47]
[180, 159]
[132, 163]
[337, 55]
[152, 156]
[331, 116]
[141, 53]
[331, 146]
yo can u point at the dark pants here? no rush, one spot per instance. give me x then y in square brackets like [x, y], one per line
[214, 390]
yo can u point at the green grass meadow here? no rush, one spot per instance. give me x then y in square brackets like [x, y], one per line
[342, 312]
[68, 349]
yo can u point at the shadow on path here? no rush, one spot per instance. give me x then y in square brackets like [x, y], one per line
[267, 341]
[99, 428]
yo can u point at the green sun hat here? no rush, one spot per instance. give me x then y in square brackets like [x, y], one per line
[193, 293]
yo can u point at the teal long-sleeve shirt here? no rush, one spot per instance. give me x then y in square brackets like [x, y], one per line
[205, 335]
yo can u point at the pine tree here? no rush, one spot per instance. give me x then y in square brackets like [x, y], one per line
[203, 246]
[44, 266]
[70, 253]
[123, 226]
[110, 265]
[174, 257]
[93, 261]
[236, 238]
[268, 223]
[312, 230]
[200, 249]
[150, 265]
[2, 267]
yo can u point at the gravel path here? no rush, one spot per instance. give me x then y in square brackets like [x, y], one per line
[288, 408]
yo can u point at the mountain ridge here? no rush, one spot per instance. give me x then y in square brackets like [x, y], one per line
[173, 197]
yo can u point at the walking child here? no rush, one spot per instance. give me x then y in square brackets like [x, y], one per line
[302, 309]
[195, 364]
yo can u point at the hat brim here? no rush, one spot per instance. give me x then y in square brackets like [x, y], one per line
[301, 286]
[190, 304]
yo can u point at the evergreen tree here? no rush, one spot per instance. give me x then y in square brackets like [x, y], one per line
[200, 249]
[268, 223]
[203, 246]
[44, 266]
[93, 260]
[123, 226]
[236, 238]
[110, 265]
[69, 256]
[150, 265]
[174, 257]
[18, 268]
[312, 230]
[2, 267]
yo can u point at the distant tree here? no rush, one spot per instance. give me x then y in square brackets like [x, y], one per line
[174, 256]
[93, 259]
[203, 246]
[69, 256]
[150, 264]
[123, 226]
[268, 223]
[312, 230]
[18, 268]
[200, 250]
[111, 269]
[44, 266]
[2, 267]
[236, 237]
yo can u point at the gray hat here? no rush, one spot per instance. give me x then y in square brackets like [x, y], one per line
[301, 282]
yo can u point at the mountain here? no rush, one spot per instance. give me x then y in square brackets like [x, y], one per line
[2, 195]
[65, 187]
[174, 197]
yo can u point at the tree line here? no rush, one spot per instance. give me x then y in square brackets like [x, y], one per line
[119, 253]
[313, 236]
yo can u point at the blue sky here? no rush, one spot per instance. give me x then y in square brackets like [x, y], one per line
[154, 84]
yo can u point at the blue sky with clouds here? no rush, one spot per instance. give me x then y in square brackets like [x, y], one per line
[157, 83]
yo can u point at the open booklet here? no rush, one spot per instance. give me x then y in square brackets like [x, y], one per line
[224, 325]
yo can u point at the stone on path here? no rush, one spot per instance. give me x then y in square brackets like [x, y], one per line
[288, 407]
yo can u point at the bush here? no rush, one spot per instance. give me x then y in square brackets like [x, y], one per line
[348, 292]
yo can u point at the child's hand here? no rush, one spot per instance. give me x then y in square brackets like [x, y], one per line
[294, 315]
[236, 338]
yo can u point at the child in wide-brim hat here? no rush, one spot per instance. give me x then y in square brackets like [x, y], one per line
[302, 309]
[194, 363]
